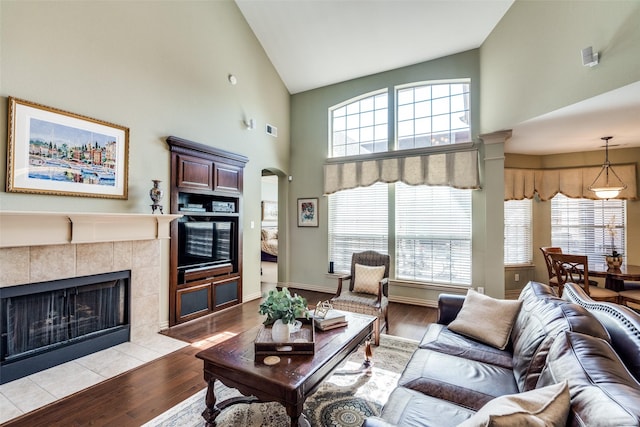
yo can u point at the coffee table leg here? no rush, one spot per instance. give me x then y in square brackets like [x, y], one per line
[211, 412]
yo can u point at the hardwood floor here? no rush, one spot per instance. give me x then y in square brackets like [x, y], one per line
[137, 396]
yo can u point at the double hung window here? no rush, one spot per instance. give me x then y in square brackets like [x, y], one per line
[517, 232]
[588, 227]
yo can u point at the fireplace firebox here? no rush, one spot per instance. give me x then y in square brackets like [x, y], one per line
[45, 324]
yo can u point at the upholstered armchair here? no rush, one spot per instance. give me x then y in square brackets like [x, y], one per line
[368, 291]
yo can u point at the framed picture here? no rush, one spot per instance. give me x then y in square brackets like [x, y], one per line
[269, 211]
[51, 151]
[308, 212]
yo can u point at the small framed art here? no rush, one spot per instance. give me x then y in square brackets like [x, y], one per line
[269, 211]
[308, 212]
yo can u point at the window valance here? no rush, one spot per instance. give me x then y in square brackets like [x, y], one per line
[455, 169]
[572, 182]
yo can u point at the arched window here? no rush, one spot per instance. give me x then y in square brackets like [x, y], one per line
[427, 229]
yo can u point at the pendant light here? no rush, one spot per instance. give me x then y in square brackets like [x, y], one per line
[610, 189]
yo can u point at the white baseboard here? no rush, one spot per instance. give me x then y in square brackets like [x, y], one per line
[251, 297]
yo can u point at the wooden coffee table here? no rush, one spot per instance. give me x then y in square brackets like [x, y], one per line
[291, 380]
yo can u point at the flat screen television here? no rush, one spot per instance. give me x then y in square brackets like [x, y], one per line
[205, 241]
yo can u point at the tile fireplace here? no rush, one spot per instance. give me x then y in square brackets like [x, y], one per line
[42, 247]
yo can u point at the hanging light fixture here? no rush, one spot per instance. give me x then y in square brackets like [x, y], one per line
[610, 189]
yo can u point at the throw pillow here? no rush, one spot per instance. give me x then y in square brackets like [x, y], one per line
[486, 319]
[547, 406]
[368, 279]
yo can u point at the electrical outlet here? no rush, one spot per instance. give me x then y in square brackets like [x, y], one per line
[517, 277]
[481, 289]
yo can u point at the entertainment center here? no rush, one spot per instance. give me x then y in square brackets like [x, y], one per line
[206, 242]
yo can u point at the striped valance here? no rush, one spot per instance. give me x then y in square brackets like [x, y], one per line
[572, 182]
[455, 169]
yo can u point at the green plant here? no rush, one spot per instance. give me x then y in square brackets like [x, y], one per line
[282, 305]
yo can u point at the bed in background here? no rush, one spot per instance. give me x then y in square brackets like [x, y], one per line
[269, 244]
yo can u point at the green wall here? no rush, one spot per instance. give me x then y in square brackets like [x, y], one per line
[531, 62]
[159, 68]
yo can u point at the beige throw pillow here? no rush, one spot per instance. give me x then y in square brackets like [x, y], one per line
[545, 407]
[486, 319]
[368, 279]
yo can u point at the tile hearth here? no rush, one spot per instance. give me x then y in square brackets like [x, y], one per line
[34, 391]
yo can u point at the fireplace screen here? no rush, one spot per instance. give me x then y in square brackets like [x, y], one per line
[35, 322]
[56, 314]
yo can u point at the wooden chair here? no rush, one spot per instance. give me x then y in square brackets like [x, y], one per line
[630, 296]
[575, 269]
[546, 251]
[375, 303]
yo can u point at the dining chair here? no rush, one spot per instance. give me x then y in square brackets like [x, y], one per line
[546, 251]
[575, 269]
[630, 296]
[368, 291]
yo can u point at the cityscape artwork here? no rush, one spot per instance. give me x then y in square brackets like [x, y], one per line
[56, 152]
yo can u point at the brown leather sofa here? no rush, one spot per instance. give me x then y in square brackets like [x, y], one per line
[450, 377]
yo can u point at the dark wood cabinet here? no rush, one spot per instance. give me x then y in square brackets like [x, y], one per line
[206, 243]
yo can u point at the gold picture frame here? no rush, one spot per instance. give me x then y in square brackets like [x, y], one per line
[51, 151]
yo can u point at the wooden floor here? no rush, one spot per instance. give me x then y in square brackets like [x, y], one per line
[138, 396]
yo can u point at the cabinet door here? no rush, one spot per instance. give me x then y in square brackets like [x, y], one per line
[194, 172]
[228, 178]
[226, 293]
[193, 302]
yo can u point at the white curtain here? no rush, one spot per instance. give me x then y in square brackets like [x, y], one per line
[456, 169]
[572, 182]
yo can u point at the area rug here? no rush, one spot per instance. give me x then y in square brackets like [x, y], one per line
[343, 400]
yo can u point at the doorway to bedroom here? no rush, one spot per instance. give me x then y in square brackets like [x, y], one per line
[269, 229]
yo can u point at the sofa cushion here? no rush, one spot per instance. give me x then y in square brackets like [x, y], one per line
[439, 338]
[546, 406]
[468, 383]
[367, 279]
[540, 320]
[603, 392]
[488, 320]
[409, 408]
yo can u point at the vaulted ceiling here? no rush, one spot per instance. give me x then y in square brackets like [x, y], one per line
[314, 43]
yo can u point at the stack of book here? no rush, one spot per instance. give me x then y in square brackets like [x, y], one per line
[333, 319]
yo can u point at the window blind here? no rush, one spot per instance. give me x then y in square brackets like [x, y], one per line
[517, 232]
[358, 221]
[433, 234]
[588, 227]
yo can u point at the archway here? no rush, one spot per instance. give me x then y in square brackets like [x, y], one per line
[272, 227]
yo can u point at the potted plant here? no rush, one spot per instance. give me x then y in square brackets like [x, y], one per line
[614, 259]
[282, 310]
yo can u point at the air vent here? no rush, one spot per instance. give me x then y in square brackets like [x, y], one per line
[272, 130]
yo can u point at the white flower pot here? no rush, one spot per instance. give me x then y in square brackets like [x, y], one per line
[280, 331]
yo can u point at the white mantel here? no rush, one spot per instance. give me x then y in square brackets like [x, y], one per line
[53, 228]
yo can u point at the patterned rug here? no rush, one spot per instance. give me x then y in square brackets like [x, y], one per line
[344, 400]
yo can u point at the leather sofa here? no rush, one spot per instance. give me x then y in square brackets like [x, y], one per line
[450, 376]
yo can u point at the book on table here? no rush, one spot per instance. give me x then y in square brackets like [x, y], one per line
[332, 326]
[333, 318]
